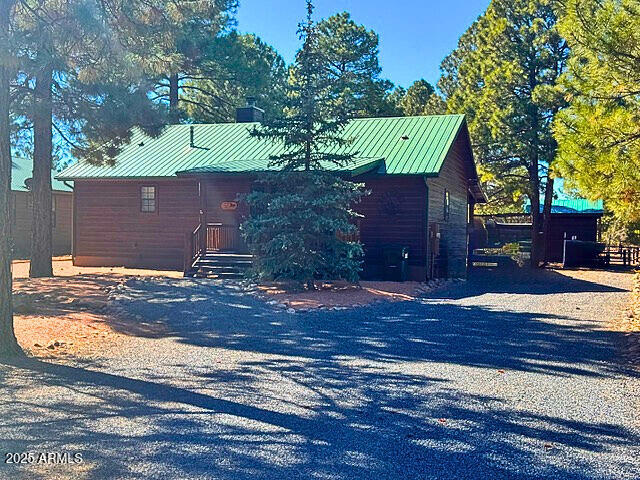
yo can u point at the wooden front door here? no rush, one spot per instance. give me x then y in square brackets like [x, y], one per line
[225, 213]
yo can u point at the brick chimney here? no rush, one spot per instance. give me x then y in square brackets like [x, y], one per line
[250, 113]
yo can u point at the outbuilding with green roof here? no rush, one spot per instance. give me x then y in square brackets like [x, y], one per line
[143, 210]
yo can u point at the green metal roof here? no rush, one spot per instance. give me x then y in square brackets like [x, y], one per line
[571, 205]
[408, 145]
[357, 167]
[23, 170]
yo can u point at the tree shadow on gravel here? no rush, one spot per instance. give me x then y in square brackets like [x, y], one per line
[209, 315]
[528, 281]
[372, 392]
[399, 426]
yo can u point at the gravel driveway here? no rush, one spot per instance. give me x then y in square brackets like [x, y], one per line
[498, 377]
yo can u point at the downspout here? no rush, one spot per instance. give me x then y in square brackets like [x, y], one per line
[426, 232]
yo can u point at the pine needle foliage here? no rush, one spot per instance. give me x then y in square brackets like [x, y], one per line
[302, 214]
[599, 134]
[298, 224]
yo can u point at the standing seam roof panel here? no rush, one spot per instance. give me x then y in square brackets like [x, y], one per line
[374, 146]
[418, 133]
[430, 138]
[442, 130]
[448, 141]
[401, 147]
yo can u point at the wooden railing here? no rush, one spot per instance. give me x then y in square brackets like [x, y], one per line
[192, 248]
[222, 237]
[626, 255]
[216, 237]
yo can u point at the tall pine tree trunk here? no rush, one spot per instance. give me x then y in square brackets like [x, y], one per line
[173, 97]
[8, 344]
[548, 197]
[41, 228]
[546, 217]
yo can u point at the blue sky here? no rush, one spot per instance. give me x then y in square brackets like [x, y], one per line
[415, 35]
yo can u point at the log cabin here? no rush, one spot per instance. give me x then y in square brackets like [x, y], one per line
[61, 216]
[175, 200]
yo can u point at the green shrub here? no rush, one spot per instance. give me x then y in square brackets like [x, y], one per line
[298, 224]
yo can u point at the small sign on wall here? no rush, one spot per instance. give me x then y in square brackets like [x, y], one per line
[229, 205]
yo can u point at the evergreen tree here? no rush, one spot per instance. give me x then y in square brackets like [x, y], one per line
[422, 99]
[350, 60]
[198, 54]
[300, 216]
[505, 193]
[394, 102]
[238, 66]
[63, 53]
[504, 76]
[599, 134]
[8, 344]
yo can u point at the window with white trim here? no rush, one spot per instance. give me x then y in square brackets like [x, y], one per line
[447, 206]
[148, 199]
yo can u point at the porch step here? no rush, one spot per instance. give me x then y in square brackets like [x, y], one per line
[221, 265]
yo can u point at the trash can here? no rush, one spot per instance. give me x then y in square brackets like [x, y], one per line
[395, 259]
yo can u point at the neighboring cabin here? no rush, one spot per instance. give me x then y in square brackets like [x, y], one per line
[571, 218]
[137, 213]
[21, 175]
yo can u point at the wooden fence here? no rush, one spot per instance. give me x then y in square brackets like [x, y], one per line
[625, 255]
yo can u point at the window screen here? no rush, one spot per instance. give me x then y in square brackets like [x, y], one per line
[148, 198]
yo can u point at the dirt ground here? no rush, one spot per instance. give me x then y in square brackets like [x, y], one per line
[63, 267]
[629, 322]
[343, 295]
[62, 316]
[627, 318]
[65, 316]
[503, 376]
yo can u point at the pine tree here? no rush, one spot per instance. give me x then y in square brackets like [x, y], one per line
[8, 344]
[599, 134]
[505, 76]
[74, 81]
[350, 56]
[236, 67]
[422, 99]
[192, 52]
[301, 214]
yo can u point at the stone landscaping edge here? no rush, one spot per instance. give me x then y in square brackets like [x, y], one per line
[423, 289]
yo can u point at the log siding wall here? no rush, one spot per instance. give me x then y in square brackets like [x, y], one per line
[582, 226]
[395, 213]
[226, 190]
[21, 223]
[453, 231]
[110, 229]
